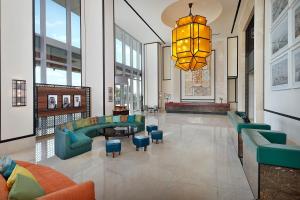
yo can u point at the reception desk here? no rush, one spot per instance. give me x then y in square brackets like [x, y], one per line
[193, 107]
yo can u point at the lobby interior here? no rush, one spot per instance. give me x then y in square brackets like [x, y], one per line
[160, 99]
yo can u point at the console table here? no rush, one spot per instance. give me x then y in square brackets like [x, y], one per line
[120, 112]
[193, 107]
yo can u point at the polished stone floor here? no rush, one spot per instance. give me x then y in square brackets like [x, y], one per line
[196, 161]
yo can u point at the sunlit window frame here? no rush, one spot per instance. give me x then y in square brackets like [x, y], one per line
[44, 41]
[134, 73]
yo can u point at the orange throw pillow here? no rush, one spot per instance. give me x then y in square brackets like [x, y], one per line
[93, 120]
[123, 118]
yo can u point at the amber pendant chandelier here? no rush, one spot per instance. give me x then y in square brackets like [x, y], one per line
[191, 42]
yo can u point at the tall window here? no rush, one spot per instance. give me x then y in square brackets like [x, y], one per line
[128, 53]
[57, 42]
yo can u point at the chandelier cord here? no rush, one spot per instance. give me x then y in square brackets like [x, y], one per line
[190, 5]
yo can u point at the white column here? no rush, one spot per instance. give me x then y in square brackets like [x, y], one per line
[241, 71]
[92, 52]
[258, 60]
[151, 74]
[109, 54]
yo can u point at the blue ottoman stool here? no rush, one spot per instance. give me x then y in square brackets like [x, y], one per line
[150, 128]
[141, 141]
[157, 135]
[113, 146]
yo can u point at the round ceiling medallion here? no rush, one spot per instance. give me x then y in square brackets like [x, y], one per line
[211, 9]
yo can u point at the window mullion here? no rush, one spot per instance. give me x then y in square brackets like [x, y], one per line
[43, 47]
[69, 42]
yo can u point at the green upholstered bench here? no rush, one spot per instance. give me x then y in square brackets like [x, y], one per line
[239, 124]
[87, 128]
[271, 167]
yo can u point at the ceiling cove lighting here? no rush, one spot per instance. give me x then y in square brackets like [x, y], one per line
[191, 42]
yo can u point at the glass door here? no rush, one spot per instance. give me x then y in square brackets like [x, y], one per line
[121, 94]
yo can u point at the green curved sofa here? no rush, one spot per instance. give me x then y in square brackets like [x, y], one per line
[239, 124]
[85, 130]
[271, 167]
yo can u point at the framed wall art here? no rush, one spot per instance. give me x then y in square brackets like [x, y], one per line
[77, 101]
[52, 102]
[280, 37]
[280, 73]
[296, 67]
[199, 85]
[66, 101]
[296, 22]
[278, 6]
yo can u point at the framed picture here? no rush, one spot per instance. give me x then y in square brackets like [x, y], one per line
[278, 6]
[280, 73]
[296, 22]
[66, 101]
[280, 37]
[296, 67]
[110, 94]
[199, 85]
[77, 101]
[52, 102]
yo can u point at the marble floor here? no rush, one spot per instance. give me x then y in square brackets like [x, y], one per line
[196, 161]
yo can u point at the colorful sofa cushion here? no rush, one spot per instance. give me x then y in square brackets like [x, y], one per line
[71, 135]
[3, 188]
[18, 170]
[55, 184]
[49, 179]
[7, 165]
[69, 126]
[116, 119]
[138, 118]
[9, 170]
[93, 120]
[101, 120]
[82, 140]
[108, 119]
[4, 160]
[123, 118]
[78, 124]
[131, 118]
[25, 188]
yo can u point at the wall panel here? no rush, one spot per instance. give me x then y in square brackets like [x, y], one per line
[16, 63]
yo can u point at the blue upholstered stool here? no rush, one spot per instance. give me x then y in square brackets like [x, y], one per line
[157, 135]
[141, 141]
[150, 128]
[113, 146]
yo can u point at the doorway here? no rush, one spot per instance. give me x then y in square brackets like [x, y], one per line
[249, 93]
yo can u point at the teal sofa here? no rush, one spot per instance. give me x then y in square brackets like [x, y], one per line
[239, 124]
[86, 129]
[271, 167]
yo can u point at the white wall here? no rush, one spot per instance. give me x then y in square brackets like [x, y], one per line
[16, 63]
[173, 86]
[151, 74]
[220, 47]
[281, 101]
[92, 52]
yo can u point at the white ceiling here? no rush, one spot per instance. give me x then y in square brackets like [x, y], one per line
[152, 10]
